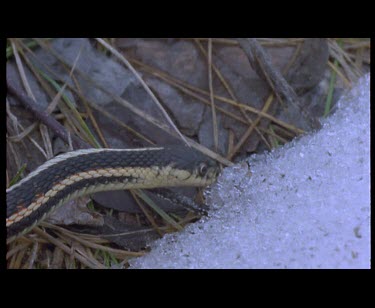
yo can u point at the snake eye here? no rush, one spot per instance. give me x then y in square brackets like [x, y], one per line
[203, 169]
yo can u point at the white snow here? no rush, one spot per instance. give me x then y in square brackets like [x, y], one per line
[305, 205]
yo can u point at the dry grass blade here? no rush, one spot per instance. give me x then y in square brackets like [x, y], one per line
[17, 124]
[56, 99]
[339, 73]
[38, 112]
[136, 110]
[263, 114]
[148, 90]
[214, 120]
[89, 112]
[88, 262]
[33, 255]
[16, 247]
[73, 117]
[344, 60]
[51, 107]
[206, 151]
[22, 71]
[43, 129]
[46, 140]
[120, 123]
[157, 209]
[262, 64]
[356, 44]
[77, 119]
[48, 152]
[164, 127]
[232, 95]
[147, 214]
[274, 77]
[25, 133]
[248, 132]
[184, 88]
[16, 259]
[88, 240]
[263, 41]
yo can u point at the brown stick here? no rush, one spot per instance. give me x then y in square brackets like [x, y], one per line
[262, 64]
[45, 118]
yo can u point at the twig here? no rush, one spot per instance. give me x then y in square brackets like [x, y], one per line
[44, 117]
[262, 64]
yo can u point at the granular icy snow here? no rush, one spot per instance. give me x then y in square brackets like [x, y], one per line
[305, 205]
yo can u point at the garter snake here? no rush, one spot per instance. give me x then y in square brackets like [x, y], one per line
[83, 172]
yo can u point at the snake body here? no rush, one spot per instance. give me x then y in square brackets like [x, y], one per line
[83, 172]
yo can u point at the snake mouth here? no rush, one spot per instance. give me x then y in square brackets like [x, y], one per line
[213, 174]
